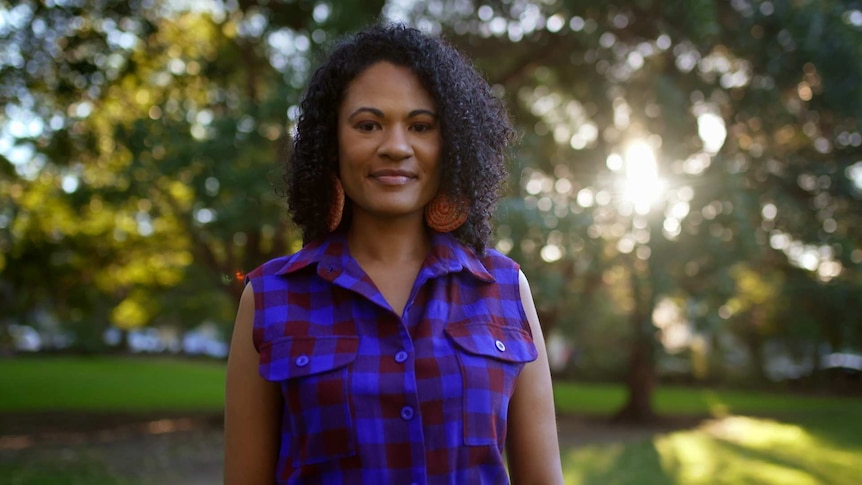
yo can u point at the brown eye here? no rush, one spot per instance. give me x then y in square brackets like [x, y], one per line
[366, 126]
[422, 127]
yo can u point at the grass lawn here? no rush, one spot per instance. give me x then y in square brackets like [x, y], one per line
[129, 384]
[604, 399]
[747, 437]
[733, 450]
[806, 440]
[110, 384]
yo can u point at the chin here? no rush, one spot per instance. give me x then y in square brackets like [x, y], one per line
[393, 211]
[396, 207]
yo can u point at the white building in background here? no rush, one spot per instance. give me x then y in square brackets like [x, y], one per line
[560, 351]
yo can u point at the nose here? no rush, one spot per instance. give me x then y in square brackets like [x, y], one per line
[396, 144]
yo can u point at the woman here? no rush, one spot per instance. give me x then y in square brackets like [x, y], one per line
[393, 347]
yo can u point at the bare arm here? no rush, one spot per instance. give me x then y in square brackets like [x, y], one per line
[252, 418]
[532, 445]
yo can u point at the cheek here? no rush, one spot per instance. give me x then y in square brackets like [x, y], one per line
[432, 152]
[342, 143]
[347, 155]
[437, 168]
[436, 173]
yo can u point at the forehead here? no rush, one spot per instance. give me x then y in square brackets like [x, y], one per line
[388, 84]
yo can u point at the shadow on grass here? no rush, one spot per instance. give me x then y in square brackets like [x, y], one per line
[841, 427]
[111, 449]
[768, 467]
[597, 451]
[810, 449]
[731, 450]
[633, 463]
[67, 469]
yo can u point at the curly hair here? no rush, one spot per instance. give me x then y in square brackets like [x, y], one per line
[475, 128]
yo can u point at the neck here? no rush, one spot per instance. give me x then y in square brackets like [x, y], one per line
[388, 241]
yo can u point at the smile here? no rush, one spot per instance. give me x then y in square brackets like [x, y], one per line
[393, 177]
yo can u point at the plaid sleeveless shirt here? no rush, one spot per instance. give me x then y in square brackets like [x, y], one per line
[372, 397]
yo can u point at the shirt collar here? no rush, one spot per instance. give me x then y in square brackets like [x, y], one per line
[448, 255]
[323, 250]
[331, 255]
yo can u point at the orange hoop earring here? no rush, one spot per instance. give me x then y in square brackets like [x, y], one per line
[336, 209]
[445, 214]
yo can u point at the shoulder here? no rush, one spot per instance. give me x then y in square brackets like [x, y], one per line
[282, 265]
[501, 267]
[490, 266]
[495, 259]
[272, 266]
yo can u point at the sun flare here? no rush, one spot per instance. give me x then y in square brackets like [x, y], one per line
[642, 186]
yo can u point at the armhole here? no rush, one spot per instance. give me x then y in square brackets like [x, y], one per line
[256, 324]
[525, 321]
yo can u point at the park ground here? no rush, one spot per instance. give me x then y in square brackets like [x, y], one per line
[129, 421]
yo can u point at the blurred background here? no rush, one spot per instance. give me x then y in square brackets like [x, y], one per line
[685, 198]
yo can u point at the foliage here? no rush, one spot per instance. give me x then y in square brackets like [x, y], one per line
[678, 143]
[148, 140]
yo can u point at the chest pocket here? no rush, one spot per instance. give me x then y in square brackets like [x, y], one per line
[313, 372]
[491, 356]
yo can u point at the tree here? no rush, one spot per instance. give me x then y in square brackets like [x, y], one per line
[675, 140]
[165, 128]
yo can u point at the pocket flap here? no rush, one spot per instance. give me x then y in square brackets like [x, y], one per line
[292, 357]
[509, 344]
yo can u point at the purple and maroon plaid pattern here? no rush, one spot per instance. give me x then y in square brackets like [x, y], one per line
[374, 397]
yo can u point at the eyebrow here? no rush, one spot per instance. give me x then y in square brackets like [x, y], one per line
[379, 114]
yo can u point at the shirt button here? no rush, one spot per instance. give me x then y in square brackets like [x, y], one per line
[401, 356]
[302, 360]
[500, 346]
[406, 413]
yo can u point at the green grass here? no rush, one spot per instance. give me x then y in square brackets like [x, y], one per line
[604, 399]
[120, 384]
[805, 440]
[733, 450]
[110, 384]
[808, 440]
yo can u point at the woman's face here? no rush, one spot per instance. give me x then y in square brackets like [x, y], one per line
[388, 143]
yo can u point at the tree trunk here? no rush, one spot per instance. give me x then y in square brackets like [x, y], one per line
[754, 341]
[641, 374]
[640, 382]
[641, 379]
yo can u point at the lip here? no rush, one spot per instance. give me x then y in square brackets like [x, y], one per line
[393, 176]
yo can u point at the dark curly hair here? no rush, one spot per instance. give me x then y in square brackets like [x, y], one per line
[475, 128]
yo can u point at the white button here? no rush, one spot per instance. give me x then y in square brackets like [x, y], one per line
[500, 346]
